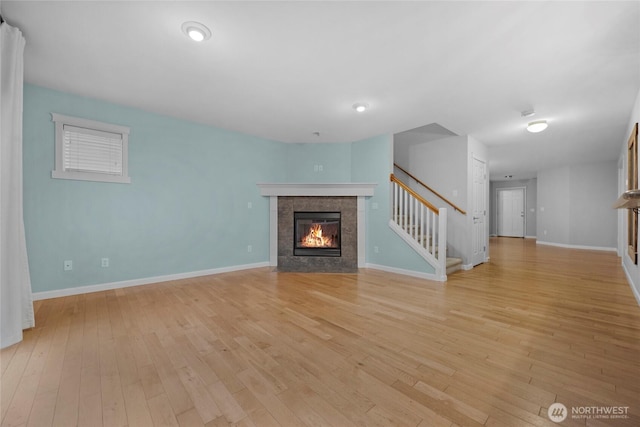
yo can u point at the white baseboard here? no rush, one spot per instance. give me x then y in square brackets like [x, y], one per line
[428, 276]
[636, 291]
[467, 267]
[143, 281]
[588, 248]
[530, 237]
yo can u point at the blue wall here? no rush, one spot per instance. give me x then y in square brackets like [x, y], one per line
[334, 159]
[186, 208]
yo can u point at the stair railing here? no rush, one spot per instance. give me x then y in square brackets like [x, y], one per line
[447, 201]
[421, 224]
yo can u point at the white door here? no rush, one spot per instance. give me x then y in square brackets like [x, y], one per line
[511, 212]
[479, 234]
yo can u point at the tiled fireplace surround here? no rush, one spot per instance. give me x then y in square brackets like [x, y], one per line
[346, 198]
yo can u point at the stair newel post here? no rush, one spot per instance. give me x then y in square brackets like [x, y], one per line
[442, 242]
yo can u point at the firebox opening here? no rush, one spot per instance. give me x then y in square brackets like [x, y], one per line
[317, 234]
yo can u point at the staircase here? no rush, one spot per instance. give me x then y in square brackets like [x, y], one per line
[423, 226]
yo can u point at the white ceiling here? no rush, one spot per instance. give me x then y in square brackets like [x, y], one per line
[284, 70]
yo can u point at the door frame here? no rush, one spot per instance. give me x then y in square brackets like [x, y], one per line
[524, 208]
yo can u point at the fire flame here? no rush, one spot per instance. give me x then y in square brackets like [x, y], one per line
[315, 239]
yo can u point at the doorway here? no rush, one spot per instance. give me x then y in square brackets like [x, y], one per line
[510, 212]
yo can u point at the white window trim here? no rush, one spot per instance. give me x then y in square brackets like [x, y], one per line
[59, 172]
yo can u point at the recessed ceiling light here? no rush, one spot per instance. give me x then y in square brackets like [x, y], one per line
[196, 31]
[537, 126]
[360, 107]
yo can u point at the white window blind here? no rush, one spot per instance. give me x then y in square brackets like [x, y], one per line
[93, 151]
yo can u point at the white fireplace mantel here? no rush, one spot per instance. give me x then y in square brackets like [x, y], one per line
[361, 189]
[348, 189]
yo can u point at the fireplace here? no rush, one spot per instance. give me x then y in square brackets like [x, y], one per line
[342, 258]
[317, 234]
[346, 198]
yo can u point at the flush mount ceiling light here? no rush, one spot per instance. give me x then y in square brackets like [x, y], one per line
[196, 31]
[528, 113]
[537, 126]
[360, 107]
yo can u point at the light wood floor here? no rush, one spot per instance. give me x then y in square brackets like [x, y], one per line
[494, 346]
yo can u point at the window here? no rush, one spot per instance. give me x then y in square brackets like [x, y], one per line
[90, 151]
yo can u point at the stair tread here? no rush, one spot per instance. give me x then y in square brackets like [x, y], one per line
[453, 261]
[453, 265]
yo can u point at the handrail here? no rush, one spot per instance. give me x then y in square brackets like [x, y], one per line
[432, 190]
[414, 194]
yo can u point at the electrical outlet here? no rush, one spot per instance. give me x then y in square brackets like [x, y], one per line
[68, 265]
[249, 205]
[315, 168]
[376, 249]
[374, 205]
[249, 248]
[320, 168]
[105, 262]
